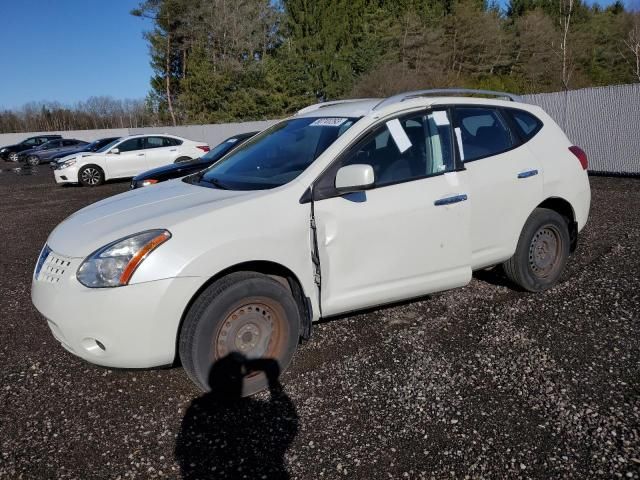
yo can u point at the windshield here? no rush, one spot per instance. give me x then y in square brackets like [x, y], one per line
[108, 146]
[276, 156]
[219, 150]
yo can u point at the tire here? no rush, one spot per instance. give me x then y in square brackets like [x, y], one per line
[542, 251]
[91, 176]
[33, 161]
[182, 159]
[243, 312]
[13, 157]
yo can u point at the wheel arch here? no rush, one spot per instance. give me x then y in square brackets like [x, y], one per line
[272, 269]
[566, 210]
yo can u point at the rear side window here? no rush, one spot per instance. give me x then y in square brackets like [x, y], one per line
[68, 143]
[527, 124]
[481, 132]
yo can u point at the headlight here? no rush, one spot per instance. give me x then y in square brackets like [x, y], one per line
[41, 259]
[146, 183]
[4, 150]
[67, 163]
[114, 264]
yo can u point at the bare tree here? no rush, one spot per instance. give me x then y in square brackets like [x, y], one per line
[566, 10]
[633, 43]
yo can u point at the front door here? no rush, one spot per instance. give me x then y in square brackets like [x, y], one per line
[129, 161]
[409, 234]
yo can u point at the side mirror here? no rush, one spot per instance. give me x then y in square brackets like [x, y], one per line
[115, 151]
[354, 178]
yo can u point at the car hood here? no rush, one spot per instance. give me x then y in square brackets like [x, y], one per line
[160, 206]
[75, 155]
[191, 166]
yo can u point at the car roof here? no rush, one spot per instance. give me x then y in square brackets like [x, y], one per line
[361, 107]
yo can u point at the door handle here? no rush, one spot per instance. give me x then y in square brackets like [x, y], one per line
[141, 154]
[450, 200]
[527, 173]
[173, 150]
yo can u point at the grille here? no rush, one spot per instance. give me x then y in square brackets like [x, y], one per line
[54, 268]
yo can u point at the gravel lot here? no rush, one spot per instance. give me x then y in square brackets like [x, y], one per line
[483, 381]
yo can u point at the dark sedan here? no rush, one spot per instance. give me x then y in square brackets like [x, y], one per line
[89, 147]
[45, 152]
[10, 152]
[177, 170]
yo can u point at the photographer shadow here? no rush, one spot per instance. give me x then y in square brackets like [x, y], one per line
[224, 435]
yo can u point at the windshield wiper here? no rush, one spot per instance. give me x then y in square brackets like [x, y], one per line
[214, 181]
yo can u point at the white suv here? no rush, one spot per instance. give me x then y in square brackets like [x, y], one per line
[126, 157]
[344, 206]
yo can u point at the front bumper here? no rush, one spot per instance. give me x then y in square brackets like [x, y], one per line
[124, 327]
[66, 175]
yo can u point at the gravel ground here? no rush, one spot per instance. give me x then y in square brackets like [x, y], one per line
[483, 381]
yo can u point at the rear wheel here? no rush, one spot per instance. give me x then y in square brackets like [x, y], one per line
[91, 176]
[33, 161]
[542, 251]
[246, 313]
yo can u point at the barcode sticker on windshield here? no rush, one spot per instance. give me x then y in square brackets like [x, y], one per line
[328, 122]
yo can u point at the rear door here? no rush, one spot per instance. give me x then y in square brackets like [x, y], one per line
[505, 181]
[160, 151]
[409, 234]
[130, 160]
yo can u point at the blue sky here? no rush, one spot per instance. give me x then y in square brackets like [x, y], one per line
[69, 50]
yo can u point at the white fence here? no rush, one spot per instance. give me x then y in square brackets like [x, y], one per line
[604, 121]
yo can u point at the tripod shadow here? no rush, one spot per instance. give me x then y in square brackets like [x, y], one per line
[226, 436]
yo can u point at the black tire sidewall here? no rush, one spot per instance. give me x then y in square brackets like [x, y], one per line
[209, 316]
[83, 183]
[540, 218]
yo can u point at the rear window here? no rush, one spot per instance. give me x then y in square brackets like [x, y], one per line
[481, 133]
[527, 124]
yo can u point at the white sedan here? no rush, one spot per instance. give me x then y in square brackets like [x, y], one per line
[342, 207]
[126, 157]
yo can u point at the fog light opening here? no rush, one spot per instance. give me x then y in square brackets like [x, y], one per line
[94, 346]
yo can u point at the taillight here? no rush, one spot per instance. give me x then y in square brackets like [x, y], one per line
[204, 148]
[578, 152]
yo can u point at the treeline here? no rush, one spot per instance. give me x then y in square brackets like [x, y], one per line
[221, 60]
[96, 112]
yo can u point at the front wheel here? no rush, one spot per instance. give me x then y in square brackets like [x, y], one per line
[542, 251]
[33, 161]
[243, 313]
[91, 176]
[13, 157]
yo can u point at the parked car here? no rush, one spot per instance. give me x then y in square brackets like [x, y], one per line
[88, 148]
[45, 152]
[126, 157]
[181, 169]
[10, 152]
[346, 205]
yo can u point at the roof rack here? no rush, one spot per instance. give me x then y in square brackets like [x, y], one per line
[318, 106]
[401, 97]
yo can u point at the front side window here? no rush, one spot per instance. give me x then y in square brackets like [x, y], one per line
[481, 133]
[32, 142]
[68, 143]
[131, 145]
[406, 148]
[276, 156]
